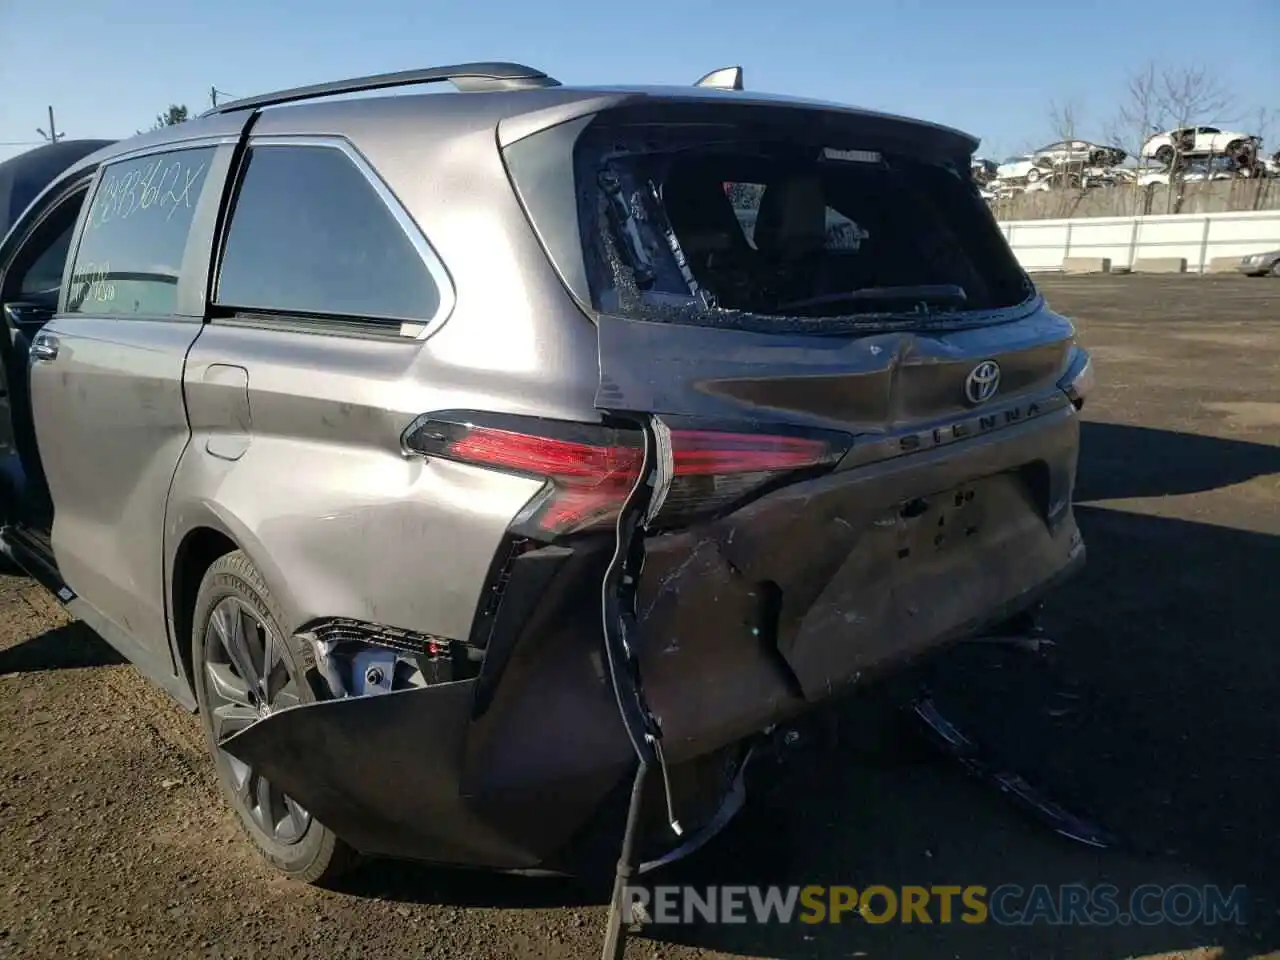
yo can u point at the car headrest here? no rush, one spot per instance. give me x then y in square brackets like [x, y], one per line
[700, 213]
[792, 220]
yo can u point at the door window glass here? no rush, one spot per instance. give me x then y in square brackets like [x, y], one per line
[130, 255]
[35, 275]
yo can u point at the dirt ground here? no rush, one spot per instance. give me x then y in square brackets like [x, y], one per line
[1157, 713]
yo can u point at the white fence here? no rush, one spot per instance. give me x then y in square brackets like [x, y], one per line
[1199, 238]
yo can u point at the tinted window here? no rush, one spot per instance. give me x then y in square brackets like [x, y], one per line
[42, 281]
[36, 273]
[310, 234]
[130, 255]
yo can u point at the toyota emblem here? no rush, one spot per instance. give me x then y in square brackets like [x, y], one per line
[983, 382]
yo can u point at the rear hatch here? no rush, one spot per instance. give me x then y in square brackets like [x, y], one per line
[804, 308]
[784, 263]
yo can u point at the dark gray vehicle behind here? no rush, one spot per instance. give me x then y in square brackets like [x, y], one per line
[451, 452]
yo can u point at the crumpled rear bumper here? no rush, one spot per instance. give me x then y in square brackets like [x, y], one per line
[414, 774]
[744, 624]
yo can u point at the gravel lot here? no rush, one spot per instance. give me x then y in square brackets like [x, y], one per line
[1156, 713]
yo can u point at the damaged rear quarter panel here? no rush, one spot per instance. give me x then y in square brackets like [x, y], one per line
[417, 773]
[743, 622]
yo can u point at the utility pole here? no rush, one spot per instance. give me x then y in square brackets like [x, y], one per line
[53, 136]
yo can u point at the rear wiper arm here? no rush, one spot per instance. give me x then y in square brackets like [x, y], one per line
[939, 293]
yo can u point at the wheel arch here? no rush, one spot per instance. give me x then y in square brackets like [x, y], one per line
[207, 533]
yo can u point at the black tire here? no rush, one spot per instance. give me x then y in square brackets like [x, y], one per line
[316, 856]
[1275, 269]
[1164, 155]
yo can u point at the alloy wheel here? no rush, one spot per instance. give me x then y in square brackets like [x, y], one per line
[247, 676]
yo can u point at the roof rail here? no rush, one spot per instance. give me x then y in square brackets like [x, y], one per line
[726, 78]
[467, 77]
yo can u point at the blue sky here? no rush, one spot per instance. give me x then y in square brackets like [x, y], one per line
[108, 66]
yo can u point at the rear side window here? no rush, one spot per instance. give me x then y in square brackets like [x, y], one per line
[130, 255]
[311, 235]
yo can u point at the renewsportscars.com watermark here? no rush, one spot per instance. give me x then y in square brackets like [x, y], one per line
[1006, 905]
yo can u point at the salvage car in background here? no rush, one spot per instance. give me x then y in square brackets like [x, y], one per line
[1197, 142]
[1261, 264]
[1069, 160]
[1216, 168]
[983, 170]
[456, 456]
[1082, 153]
[1022, 167]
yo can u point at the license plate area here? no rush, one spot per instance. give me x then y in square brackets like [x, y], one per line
[917, 572]
[939, 523]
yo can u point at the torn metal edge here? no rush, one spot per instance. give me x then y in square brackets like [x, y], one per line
[735, 799]
[949, 738]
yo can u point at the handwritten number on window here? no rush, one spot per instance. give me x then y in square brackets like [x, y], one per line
[159, 186]
[98, 287]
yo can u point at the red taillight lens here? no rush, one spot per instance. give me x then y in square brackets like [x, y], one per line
[590, 469]
[716, 469]
[709, 452]
[564, 460]
[588, 482]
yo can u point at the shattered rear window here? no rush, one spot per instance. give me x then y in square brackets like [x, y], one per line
[773, 230]
[839, 232]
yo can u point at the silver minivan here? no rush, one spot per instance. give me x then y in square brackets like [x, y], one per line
[458, 456]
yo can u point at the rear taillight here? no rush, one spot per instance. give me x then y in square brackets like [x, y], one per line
[714, 470]
[589, 470]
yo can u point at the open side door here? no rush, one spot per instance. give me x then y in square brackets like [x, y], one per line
[37, 231]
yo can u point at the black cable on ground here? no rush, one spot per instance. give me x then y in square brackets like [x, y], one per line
[615, 943]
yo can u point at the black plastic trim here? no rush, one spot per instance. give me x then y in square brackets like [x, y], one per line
[36, 557]
[534, 586]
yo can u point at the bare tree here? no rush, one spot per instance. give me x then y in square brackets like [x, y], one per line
[1262, 125]
[1137, 118]
[1065, 119]
[1140, 113]
[1187, 97]
[1163, 98]
[1191, 95]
